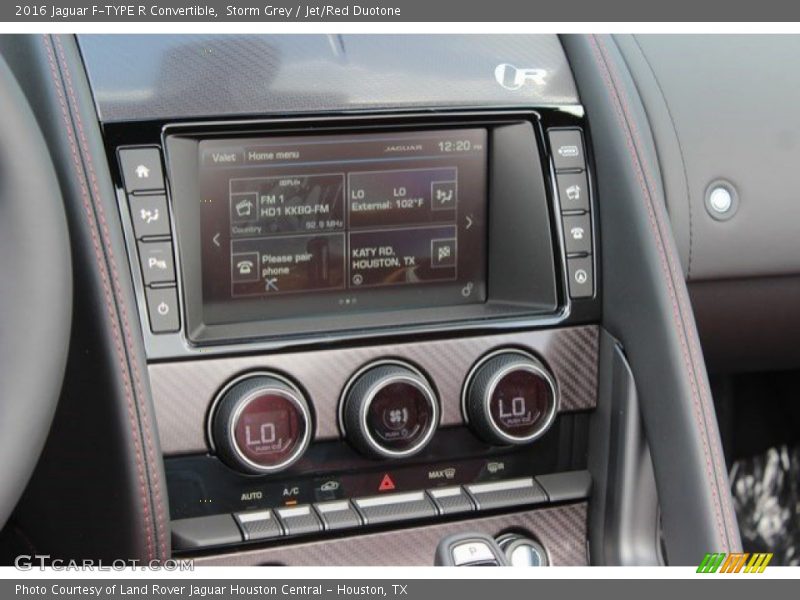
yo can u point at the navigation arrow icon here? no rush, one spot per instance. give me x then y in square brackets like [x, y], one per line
[469, 222]
[215, 239]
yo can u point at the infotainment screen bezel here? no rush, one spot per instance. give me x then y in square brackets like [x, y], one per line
[523, 261]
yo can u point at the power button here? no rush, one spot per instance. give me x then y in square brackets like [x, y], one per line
[162, 306]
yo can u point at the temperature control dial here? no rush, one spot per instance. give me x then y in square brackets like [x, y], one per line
[389, 411]
[261, 424]
[510, 398]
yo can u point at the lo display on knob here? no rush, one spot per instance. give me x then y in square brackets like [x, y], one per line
[260, 423]
[510, 398]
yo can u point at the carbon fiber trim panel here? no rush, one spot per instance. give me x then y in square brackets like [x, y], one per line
[150, 77]
[183, 391]
[561, 530]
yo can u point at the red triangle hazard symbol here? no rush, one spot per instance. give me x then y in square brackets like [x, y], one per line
[386, 484]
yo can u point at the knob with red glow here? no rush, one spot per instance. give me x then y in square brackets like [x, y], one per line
[261, 424]
[510, 398]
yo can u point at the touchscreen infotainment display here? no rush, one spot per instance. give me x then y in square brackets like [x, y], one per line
[301, 226]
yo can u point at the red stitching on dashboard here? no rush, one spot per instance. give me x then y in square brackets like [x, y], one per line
[121, 299]
[107, 296]
[622, 115]
[677, 274]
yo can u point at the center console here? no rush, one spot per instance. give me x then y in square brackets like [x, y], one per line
[364, 322]
[368, 323]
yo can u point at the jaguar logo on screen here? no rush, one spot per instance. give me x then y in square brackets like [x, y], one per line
[514, 78]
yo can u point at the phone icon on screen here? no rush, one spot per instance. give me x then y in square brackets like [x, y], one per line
[245, 267]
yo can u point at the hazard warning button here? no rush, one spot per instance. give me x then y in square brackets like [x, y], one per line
[387, 483]
[387, 508]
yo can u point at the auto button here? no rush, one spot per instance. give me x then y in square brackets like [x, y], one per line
[258, 525]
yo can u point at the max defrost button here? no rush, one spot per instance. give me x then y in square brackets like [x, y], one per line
[581, 279]
[451, 500]
[162, 308]
[141, 169]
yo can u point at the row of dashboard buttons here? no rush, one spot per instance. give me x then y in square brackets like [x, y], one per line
[144, 186]
[266, 524]
[569, 159]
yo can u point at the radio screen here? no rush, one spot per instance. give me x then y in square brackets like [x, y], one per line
[300, 226]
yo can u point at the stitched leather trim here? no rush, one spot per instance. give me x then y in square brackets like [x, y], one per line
[681, 312]
[154, 520]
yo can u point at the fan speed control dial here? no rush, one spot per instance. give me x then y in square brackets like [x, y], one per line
[389, 410]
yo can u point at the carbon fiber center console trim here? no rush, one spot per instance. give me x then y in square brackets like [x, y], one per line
[183, 391]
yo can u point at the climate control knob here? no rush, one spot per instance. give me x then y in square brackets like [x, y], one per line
[260, 424]
[389, 410]
[510, 398]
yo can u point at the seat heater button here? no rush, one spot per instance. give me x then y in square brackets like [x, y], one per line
[451, 500]
[338, 514]
[258, 525]
[512, 492]
[395, 507]
[298, 520]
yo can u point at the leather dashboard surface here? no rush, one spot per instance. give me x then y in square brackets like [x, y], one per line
[150, 77]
